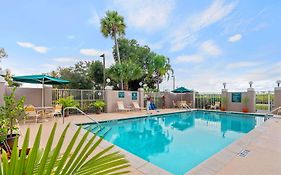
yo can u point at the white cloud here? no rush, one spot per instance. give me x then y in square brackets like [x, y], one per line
[91, 52]
[146, 15]
[235, 38]
[206, 78]
[182, 36]
[210, 48]
[206, 50]
[65, 59]
[40, 49]
[242, 64]
[26, 44]
[190, 58]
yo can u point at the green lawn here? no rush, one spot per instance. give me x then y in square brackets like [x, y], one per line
[261, 106]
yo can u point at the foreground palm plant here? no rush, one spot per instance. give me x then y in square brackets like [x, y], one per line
[79, 159]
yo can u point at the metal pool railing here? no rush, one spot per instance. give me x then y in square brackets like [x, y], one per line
[79, 110]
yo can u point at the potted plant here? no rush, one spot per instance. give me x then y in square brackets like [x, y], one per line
[99, 105]
[223, 103]
[67, 102]
[10, 113]
[245, 102]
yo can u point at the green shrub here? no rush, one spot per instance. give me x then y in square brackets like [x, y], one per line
[99, 104]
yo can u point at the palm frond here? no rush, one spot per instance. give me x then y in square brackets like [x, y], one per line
[80, 159]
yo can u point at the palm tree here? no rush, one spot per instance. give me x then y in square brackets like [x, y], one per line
[162, 67]
[80, 156]
[113, 25]
[128, 70]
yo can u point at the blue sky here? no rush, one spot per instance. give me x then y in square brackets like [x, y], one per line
[208, 41]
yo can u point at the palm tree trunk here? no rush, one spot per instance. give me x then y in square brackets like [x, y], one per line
[118, 57]
[158, 83]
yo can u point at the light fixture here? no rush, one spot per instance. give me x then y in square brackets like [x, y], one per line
[99, 93]
[224, 85]
[108, 80]
[251, 83]
[278, 82]
[140, 83]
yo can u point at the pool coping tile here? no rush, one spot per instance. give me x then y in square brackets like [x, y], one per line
[215, 163]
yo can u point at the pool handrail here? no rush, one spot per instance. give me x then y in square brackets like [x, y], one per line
[74, 107]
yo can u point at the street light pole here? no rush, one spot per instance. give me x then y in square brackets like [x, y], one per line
[103, 57]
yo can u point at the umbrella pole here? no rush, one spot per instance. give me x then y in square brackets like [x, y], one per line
[43, 94]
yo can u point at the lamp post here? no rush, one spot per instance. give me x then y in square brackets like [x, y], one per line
[224, 85]
[107, 80]
[103, 59]
[140, 83]
[278, 83]
[174, 82]
[251, 83]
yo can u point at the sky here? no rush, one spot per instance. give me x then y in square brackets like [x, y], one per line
[208, 41]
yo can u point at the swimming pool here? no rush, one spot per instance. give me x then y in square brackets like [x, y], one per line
[180, 141]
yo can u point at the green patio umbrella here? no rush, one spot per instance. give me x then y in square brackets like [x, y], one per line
[181, 90]
[40, 79]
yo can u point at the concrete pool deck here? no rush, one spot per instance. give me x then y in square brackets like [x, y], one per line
[263, 144]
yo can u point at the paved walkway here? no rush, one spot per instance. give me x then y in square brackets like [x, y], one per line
[263, 144]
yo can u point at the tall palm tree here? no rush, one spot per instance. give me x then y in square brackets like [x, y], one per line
[113, 25]
[162, 67]
[128, 70]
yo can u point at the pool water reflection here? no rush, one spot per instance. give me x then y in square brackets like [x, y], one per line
[180, 141]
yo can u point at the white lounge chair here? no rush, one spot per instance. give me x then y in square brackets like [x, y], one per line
[121, 107]
[183, 104]
[277, 110]
[216, 106]
[136, 106]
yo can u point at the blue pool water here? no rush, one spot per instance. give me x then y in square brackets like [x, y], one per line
[178, 142]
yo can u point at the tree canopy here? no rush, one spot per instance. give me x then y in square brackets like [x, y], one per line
[83, 75]
[155, 67]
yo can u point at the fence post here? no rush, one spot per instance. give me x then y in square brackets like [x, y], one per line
[2, 92]
[81, 99]
[251, 94]
[268, 102]
[224, 94]
[107, 98]
[141, 97]
[277, 97]
[193, 99]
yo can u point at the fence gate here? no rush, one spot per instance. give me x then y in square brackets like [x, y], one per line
[156, 97]
[205, 100]
[264, 101]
